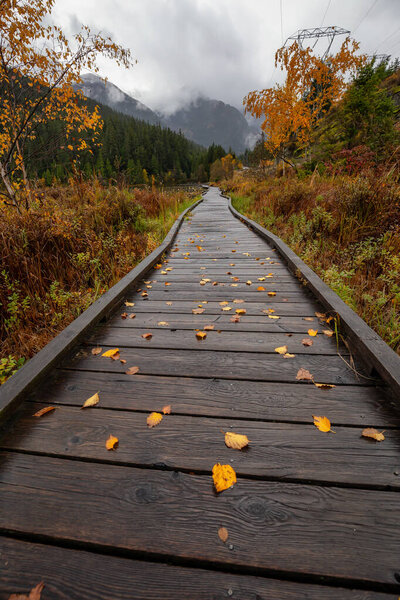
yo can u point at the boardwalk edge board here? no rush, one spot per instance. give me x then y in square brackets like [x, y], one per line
[363, 341]
[35, 370]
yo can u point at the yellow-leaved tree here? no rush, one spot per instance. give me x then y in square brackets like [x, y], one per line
[38, 68]
[312, 87]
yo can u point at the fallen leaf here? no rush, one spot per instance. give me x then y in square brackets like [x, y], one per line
[169, 268]
[92, 401]
[122, 361]
[169, 303]
[132, 316]
[240, 311]
[111, 353]
[287, 355]
[112, 442]
[132, 371]
[235, 319]
[201, 335]
[96, 351]
[144, 294]
[328, 332]
[223, 534]
[166, 283]
[312, 332]
[208, 327]
[223, 303]
[159, 266]
[124, 315]
[238, 301]
[308, 318]
[227, 308]
[198, 311]
[324, 386]
[322, 423]
[249, 282]
[303, 374]
[224, 477]
[199, 248]
[372, 433]
[320, 315]
[237, 441]
[307, 342]
[167, 409]
[129, 304]
[271, 293]
[273, 317]
[281, 350]
[162, 323]
[261, 279]
[115, 356]
[260, 288]
[44, 410]
[147, 336]
[154, 419]
[34, 594]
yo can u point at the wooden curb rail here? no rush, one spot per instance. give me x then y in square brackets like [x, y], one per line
[363, 341]
[35, 370]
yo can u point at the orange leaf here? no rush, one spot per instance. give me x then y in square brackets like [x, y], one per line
[223, 534]
[209, 327]
[312, 332]
[307, 342]
[92, 401]
[223, 303]
[324, 386]
[322, 423]
[201, 335]
[260, 288]
[154, 419]
[34, 594]
[320, 315]
[167, 409]
[240, 311]
[303, 374]
[111, 353]
[44, 410]
[271, 293]
[112, 442]
[372, 433]
[129, 304]
[124, 315]
[287, 355]
[96, 351]
[147, 336]
[132, 316]
[237, 441]
[132, 370]
[224, 477]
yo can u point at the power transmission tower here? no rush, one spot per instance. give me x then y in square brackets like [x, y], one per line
[379, 58]
[315, 34]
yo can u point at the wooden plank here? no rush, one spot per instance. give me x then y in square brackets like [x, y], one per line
[229, 365]
[298, 309]
[352, 405]
[278, 451]
[74, 574]
[166, 337]
[286, 286]
[198, 293]
[272, 526]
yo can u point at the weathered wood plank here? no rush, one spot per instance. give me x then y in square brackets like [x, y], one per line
[299, 309]
[173, 514]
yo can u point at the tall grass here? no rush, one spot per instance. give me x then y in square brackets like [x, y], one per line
[62, 254]
[347, 228]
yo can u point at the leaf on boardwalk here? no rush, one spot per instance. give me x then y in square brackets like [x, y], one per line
[129, 304]
[198, 311]
[320, 315]
[112, 442]
[162, 323]
[224, 477]
[271, 293]
[132, 316]
[281, 349]
[324, 386]
[223, 534]
[227, 308]
[372, 433]
[169, 303]
[199, 248]
[308, 318]
[237, 441]
[34, 594]
[96, 351]
[235, 319]
[260, 288]
[287, 355]
[328, 332]
[111, 353]
[273, 317]
[157, 267]
[249, 282]
[312, 332]
[238, 301]
[166, 283]
[132, 371]
[261, 279]
[304, 375]
[147, 336]
[201, 335]
[307, 342]
[240, 311]
[44, 410]
[322, 423]
[154, 419]
[223, 303]
[208, 327]
[92, 401]
[166, 409]
[124, 315]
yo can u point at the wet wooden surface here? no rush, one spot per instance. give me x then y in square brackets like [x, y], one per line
[313, 515]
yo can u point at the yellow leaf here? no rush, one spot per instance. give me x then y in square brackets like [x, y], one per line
[199, 248]
[223, 476]
[209, 327]
[96, 351]
[112, 442]
[372, 433]
[322, 423]
[70, 147]
[312, 332]
[92, 401]
[240, 311]
[281, 350]
[223, 534]
[273, 317]
[201, 335]
[198, 311]
[154, 419]
[44, 410]
[324, 386]
[237, 441]
[238, 301]
[162, 323]
[287, 355]
[271, 293]
[223, 303]
[261, 279]
[111, 353]
[168, 303]
[167, 409]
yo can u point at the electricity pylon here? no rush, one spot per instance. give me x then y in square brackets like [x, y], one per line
[315, 34]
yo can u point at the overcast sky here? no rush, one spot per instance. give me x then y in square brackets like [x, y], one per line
[218, 48]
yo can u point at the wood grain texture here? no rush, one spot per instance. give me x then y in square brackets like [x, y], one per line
[287, 309]
[277, 450]
[170, 513]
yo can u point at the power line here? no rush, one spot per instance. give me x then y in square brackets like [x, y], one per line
[366, 14]
[387, 38]
[281, 22]
[326, 10]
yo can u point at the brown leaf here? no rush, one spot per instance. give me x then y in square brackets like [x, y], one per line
[238, 301]
[44, 410]
[169, 303]
[162, 323]
[372, 433]
[166, 409]
[132, 316]
[115, 356]
[124, 315]
[224, 477]
[154, 419]
[96, 351]
[122, 361]
[198, 311]
[303, 374]
[112, 442]
[308, 318]
[208, 327]
[328, 332]
[223, 534]
[287, 355]
[237, 441]
[34, 594]
[147, 336]
[201, 335]
[92, 401]
[132, 371]
[235, 319]
[307, 342]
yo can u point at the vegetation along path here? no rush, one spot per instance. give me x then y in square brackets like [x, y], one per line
[224, 340]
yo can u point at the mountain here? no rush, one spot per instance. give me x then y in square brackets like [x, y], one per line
[109, 94]
[204, 121]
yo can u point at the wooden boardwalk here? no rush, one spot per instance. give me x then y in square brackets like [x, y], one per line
[312, 516]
